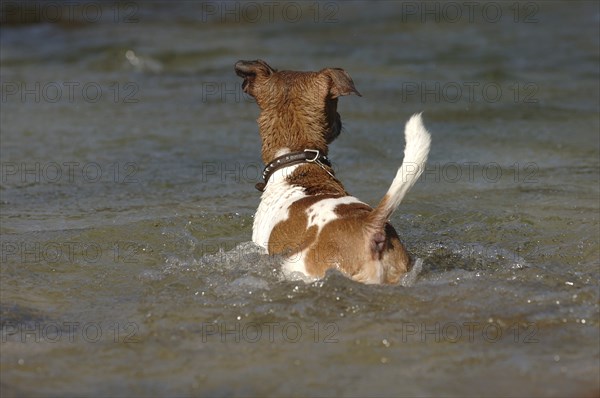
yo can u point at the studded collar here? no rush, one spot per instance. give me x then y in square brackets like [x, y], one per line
[290, 159]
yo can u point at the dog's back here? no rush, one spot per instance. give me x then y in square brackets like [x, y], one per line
[305, 213]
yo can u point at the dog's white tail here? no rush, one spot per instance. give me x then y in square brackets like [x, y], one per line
[415, 156]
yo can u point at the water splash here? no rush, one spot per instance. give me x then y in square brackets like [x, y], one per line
[143, 64]
[410, 277]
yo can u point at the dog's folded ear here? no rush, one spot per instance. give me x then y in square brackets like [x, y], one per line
[249, 70]
[252, 68]
[341, 82]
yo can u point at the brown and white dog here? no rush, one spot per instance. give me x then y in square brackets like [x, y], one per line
[305, 214]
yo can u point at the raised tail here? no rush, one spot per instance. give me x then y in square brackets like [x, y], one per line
[415, 156]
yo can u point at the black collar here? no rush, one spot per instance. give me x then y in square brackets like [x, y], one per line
[290, 159]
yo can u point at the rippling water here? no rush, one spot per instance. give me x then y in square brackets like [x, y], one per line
[129, 158]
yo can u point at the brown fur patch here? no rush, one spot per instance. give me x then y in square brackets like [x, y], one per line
[346, 244]
[291, 236]
[316, 181]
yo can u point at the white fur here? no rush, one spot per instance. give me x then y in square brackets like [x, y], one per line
[274, 205]
[294, 266]
[418, 141]
[279, 196]
[323, 211]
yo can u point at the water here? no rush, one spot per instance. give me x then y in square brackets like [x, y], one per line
[129, 158]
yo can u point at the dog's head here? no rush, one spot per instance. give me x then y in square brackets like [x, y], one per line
[298, 109]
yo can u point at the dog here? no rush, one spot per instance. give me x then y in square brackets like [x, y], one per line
[305, 214]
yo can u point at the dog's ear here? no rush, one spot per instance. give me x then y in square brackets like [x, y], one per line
[250, 70]
[340, 82]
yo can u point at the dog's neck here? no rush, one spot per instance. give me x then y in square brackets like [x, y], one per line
[288, 159]
[278, 140]
[316, 178]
